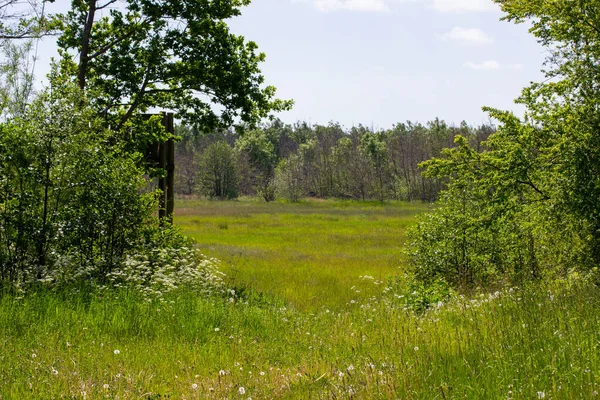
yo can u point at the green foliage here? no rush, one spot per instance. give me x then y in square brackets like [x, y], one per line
[178, 55]
[526, 205]
[260, 147]
[69, 192]
[218, 175]
[416, 296]
[289, 178]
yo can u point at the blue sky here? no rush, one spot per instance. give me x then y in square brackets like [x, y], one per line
[379, 62]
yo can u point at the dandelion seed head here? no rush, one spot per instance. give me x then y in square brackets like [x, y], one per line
[194, 386]
[241, 390]
[117, 352]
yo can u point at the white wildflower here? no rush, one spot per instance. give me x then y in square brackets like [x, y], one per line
[241, 390]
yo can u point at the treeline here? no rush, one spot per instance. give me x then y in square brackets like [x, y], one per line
[293, 161]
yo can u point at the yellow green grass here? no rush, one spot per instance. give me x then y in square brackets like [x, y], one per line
[311, 253]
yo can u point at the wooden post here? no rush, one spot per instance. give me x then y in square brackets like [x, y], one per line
[162, 155]
[170, 166]
[162, 181]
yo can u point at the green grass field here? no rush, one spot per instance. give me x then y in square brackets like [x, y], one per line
[300, 332]
[311, 254]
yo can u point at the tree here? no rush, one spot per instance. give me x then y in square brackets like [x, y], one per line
[289, 178]
[175, 54]
[564, 108]
[533, 191]
[218, 175]
[376, 150]
[260, 147]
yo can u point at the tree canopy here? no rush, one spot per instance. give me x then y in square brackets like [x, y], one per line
[526, 206]
[174, 54]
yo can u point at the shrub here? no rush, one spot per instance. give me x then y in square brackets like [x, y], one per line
[69, 192]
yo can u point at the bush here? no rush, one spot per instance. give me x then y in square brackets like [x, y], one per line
[70, 200]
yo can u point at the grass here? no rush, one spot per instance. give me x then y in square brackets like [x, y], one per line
[528, 343]
[514, 346]
[310, 253]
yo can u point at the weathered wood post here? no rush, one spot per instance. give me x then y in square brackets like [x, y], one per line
[170, 167]
[162, 155]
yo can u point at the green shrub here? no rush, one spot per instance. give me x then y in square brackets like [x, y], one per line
[70, 200]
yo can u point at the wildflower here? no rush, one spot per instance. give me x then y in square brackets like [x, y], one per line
[105, 386]
[194, 386]
[416, 348]
[241, 390]
[217, 329]
[55, 372]
[33, 355]
[541, 395]
[350, 367]
[221, 373]
[262, 373]
[117, 352]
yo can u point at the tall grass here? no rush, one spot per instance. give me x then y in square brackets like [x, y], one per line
[524, 344]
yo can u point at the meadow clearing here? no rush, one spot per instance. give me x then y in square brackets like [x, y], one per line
[302, 323]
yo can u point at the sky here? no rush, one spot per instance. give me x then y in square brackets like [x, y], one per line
[381, 62]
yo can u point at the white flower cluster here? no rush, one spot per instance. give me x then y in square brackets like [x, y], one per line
[155, 272]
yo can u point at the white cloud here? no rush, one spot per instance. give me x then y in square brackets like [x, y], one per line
[462, 6]
[445, 6]
[352, 5]
[492, 65]
[468, 36]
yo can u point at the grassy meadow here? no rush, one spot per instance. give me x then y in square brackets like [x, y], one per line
[311, 253]
[305, 325]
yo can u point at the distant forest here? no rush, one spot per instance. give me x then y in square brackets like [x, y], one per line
[301, 160]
